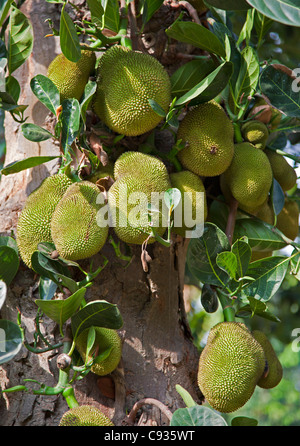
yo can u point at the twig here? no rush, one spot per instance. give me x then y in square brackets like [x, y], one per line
[151, 401]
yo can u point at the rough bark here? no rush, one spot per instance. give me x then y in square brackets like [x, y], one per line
[158, 350]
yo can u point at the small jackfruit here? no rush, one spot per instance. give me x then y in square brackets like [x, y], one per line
[275, 372]
[191, 208]
[71, 77]
[141, 181]
[249, 176]
[283, 172]
[76, 230]
[208, 134]
[288, 219]
[230, 366]
[85, 416]
[126, 81]
[34, 221]
[105, 339]
[255, 132]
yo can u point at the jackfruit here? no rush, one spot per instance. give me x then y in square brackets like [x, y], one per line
[76, 230]
[230, 366]
[141, 181]
[33, 225]
[255, 132]
[85, 416]
[266, 213]
[102, 172]
[249, 176]
[71, 77]
[283, 172]
[263, 112]
[288, 219]
[208, 134]
[275, 371]
[105, 339]
[126, 80]
[191, 208]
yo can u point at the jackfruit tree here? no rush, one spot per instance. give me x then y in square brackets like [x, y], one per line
[150, 181]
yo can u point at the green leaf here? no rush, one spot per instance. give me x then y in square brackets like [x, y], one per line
[277, 197]
[3, 293]
[188, 400]
[245, 33]
[20, 39]
[258, 308]
[196, 35]
[111, 17]
[97, 11]
[69, 40]
[9, 264]
[4, 10]
[244, 421]
[46, 92]
[47, 288]
[27, 163]
[227, 261]
[189, 75]
[202, 253]
[197, 416]
[172, 197]
[35, 133]
[90, 341]
[99, 313]
[282, 11]
[281, 90]
[209, 299]
[229, 5]
[262, 24]
[70, 120]
[89, 91]
[61, 310]
[242, 251]
[260, 234]
[149, 8]
[13, 88]
[157, 108]
[11, 340]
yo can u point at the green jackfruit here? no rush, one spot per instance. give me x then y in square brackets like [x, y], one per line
[85, 416]
[283, 172]
[255, 132]
[76, 230]
[126, 81]
[288, 219]
[208, 134]
[34, 221]
[102, 172]
[71, 77]
[230, 366]
[249, 176]
[105, 339]
[275, 371]
[131, 193]
[189, 184]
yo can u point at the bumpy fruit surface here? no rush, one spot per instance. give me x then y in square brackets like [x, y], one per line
[275, 371]
[71, 77]
[104, 340]
[288, 219]
[190, 207]
[76, 230]
[126, 80]
[283, 172]
[85, 416]
[34, 222]
[255, 132]
[207, 133]
[230, 366]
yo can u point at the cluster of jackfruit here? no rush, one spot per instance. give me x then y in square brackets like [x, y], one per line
[85, 416]
[233, 362]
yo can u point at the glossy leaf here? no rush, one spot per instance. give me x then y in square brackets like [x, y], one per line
[47, 288]
[4, 9]
[20, 39]
[189, 75]
[258, 308]
[197, 416]
[70, 120]
[111, 17]
[69, 40]
[227, 261]
[96, 11]
[157, 108]
[46, 91]
[10, 340]
[247, 79]
[282, 11]
[209, 299]
[27, 163]
[9, 264]
[277, 197]
[89, 91]
[229, 5]
[35, 133]
[260, 235]
[242, 251]
[149, 8]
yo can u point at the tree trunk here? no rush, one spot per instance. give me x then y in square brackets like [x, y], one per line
[158, 350]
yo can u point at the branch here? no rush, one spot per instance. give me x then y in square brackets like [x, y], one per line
[151, 401]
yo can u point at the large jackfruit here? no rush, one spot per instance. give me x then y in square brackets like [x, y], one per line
[76, 230]
[126, 80]
[71, 77]
[283, 172]
[249, 176]
[34, 221]
[255, 132]
[191, 208]
[230, 366]
[208, 134]
[275, 372]
[288, 219]
[141, 181]
[85, 416]
[105, 339]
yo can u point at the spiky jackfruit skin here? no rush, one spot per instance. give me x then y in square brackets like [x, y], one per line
[230, 365]
[275, 371]
[208, 134]
[288, 219]
[85, 416]
[249, 176]
[283, 172]
[126, 80]
[34, 221]
[188, 182]
[71, 77]
[76, 230]
[105, 338]
[140, 180]
[255, 132]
